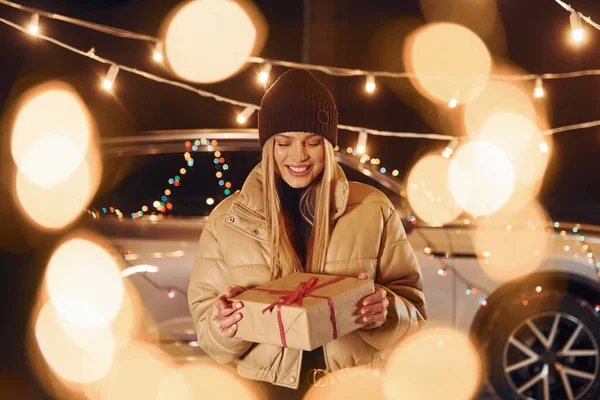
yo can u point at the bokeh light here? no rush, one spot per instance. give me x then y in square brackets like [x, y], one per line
[452, 51]
[56, 206]
[84, 282]
[78, 354]
[205, 380]
[428, 192]
[435, 363]
[464, 12]
[512, 245]
[481, 177]
[496, 98]
[51, 133]
[348, 384]
[209, 40]
[520, 139]
[136, 373]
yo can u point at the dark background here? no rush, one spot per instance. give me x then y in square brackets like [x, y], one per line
[347, 33]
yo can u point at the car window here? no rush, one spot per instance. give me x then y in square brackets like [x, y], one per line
[133, 184]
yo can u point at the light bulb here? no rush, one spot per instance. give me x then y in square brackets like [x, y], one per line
[544, 147]
[158, 52]
[361, 144]
[265, 70]
[109, 80]
[576, 27]
[244, 115]
[34, 26]
[453, 102]
[539, 88]
[370, 85]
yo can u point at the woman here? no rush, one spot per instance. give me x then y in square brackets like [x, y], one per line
[297, 212]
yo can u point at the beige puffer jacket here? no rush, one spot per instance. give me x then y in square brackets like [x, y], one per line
[368, 237]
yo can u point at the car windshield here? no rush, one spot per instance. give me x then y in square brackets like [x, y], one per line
[136, 184]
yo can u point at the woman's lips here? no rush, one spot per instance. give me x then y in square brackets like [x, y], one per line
[298, 172]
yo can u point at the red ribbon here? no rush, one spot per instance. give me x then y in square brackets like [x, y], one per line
[304, 289]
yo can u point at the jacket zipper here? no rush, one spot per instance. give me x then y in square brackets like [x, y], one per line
[325, 357]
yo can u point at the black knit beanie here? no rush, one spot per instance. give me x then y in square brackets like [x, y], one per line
[298, 102]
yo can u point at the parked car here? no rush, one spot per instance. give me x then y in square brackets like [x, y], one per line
[539, 334]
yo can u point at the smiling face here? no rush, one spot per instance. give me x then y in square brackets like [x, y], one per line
[299, 157]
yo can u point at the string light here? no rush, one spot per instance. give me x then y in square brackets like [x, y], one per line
[544, 147]
[34, 25]
[244, 115]
[265, 70]
[158, 52]
[449, 150]
[109, 80]
[370, 85]
[210, 201]
[539, 88]
[329, 70]
[361, 144]
[576, 27]
[576, 22]
[171, 293]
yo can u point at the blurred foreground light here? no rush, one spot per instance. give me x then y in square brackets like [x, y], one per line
[576, 26]
[84, 282]
[57, 206]
[497, 98]
[51, 133]
[481, 177]
[205, 380]
[428, 192]
[514, 253]
[136, 372]
[348, 384]
[435, 363]
[78, 354]
[209, 40]
[442, 55]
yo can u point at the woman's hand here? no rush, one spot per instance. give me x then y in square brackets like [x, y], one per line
[373, 308]
[227, 310]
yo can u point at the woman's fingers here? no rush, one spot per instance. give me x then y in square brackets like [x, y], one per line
[372, 309]
[231, 331]
[227, 322]
[233, 291]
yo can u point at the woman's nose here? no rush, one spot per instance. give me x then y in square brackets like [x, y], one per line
[299, 152]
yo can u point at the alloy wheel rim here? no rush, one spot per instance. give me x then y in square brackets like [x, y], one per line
[549, 356]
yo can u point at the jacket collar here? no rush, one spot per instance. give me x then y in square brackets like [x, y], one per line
[250, 198]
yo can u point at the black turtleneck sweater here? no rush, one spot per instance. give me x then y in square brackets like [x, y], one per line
[290, 199]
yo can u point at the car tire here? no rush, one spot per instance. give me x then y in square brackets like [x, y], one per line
[564, 350]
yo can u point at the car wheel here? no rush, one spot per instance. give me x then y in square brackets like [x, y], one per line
[546, 348]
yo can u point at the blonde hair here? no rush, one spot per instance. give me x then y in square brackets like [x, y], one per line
[316, 206]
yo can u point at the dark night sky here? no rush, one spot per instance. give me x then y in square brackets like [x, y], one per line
[349, 37]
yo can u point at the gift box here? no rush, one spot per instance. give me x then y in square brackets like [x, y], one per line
[302, 311]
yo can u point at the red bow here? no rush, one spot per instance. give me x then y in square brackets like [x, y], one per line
[304, 289]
